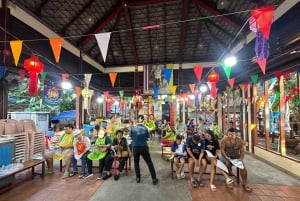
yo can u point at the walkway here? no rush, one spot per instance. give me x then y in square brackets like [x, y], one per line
[268, 183]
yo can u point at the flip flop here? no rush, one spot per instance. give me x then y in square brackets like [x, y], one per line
[247, 188]
[229, 181]
[213, 187]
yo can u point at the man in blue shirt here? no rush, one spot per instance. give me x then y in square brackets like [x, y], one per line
[195, 149]
[139, 135]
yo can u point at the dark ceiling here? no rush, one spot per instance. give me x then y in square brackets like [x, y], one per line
[191, 31]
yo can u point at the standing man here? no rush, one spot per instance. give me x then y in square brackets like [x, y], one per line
[139, 135]
[232, 147]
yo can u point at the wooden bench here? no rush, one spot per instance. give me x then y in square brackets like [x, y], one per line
[27, 165]
[165, 151]
[217, 173]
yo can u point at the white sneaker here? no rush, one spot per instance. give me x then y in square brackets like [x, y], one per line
[88, 176]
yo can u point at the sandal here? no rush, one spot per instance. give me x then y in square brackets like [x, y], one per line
[66, 175]
[73, 173]
[106, 176]
[213, 187]
[199, 182]
[247, 188]
[194, 184]
[229, 181]
[182, 175]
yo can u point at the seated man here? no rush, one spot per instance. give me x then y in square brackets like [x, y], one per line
[195, 149]
[212, 149]
[64, 151]
[232, 147]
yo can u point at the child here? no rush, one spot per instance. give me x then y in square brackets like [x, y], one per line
[82, 146]
[179, 156]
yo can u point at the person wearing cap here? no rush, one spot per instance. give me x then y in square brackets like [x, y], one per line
[64, 151]
[139, 135]
[82, 147]
[232, 147]
[195, 148]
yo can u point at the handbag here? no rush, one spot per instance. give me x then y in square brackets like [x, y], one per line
[124, 153]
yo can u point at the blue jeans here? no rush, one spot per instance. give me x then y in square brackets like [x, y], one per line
[85, 162]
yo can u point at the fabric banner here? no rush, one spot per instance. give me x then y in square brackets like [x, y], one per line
[52, 95]
[103, 41]
[87, 79]
[146, 77]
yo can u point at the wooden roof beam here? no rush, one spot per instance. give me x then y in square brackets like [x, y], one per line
[202, 4]
[183, 29]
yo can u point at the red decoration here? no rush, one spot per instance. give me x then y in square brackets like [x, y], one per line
[264, 17]
[34, 67]
[213, 76]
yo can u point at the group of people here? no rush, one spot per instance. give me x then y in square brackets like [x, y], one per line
[198, 150]
[201, 150]
[105, 146]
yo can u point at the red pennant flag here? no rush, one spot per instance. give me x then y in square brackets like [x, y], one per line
[113, 77]
[198, 72]
[264, 17]
[287, 74]
[22, 74]
[64, 76]
[231, 82]
[277, 74]
[56, 47]
[246, 86]
[106, 94]
[213, 90]
[262, 64]
[287, 98]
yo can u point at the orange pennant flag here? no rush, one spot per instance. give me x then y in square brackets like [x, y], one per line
[192, 87]
[56, 47]
[112, 77]
[16, 48]
[173, 89]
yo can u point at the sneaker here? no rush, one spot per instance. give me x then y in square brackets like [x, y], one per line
[199, 182]
[73, 173]
[66, 175]
[99, 177]
[155, 181]
[80, 176]
[138, 179]
[88, 176]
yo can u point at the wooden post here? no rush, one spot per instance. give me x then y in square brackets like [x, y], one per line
[282, 117]
[267, 116]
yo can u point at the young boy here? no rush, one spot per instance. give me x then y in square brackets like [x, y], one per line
[179, 156]
[82, 146]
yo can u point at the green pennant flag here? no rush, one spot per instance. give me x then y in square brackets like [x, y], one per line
[121, 92]
[277, 96]
[254, 78]
[43, 76]
[227, 70]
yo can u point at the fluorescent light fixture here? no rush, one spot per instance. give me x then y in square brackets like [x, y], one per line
[66, 85]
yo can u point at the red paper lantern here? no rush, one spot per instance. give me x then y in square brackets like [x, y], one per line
[213, 76]
[34, 67]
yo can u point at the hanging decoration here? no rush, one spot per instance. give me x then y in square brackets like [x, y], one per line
[56, 44]
[103, 42]
[43, 76]
[22, 74]
[113, 77]
[192, 87]
[231, 82]
[277, 74]
[86, 94]
[77, 91]
[34, 67]
[213, 78]
[16, 49]
[227, 71]
[64, 76]
[254, 78]
[121, 93]
[2, 71]
[173, 89]
[167, 72]
[198, 72]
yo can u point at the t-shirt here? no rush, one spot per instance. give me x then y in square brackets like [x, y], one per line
[178, 148]
[212, 146]
[232, 149]
[195, 148]
[139, 135]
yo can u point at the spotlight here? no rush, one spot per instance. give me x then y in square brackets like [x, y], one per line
[222, 4]
[66, 85]
[230, 61]
[203, 88]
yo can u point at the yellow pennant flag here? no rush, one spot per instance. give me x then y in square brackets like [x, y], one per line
[173, 89]
[252, 126]
[56, 47]
[112, 77]
[16, 48]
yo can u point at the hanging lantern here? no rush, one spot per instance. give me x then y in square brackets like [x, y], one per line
[213, 76]
[34, 67]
